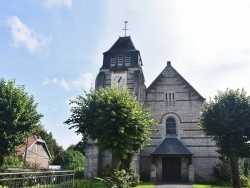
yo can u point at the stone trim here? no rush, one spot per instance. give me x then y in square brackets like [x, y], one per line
[191, 129]
[196, 137]
[201, 145]
[205, 157]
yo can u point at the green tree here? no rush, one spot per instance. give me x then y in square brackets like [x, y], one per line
[80, 146]
[227, 120]
[114, 119]
[53, 146]
[69, 160]
[18, 116]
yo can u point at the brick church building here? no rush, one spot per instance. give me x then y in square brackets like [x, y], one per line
[178, 151]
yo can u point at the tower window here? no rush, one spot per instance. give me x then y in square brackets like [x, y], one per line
[170, 126]
[127, 60]
[112, 62]
[120, 60]
[170, 96]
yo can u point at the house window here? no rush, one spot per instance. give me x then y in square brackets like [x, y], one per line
[112, 62]
[171, 126]
[127, 60]
[120, 61]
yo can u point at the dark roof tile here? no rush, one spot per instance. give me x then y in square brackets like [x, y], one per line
[123, 44]
[171, 146]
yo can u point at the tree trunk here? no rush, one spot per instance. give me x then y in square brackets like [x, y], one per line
[235, 170]
[1, 160]
[115, 162]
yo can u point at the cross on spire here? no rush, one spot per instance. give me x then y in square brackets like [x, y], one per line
[125, 29]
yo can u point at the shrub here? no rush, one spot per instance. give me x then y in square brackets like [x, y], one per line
[79, 173]
[222, 171]
[244, 181]
[83, 184]
[121, 179]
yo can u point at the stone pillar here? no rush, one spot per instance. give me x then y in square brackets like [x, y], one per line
[91, 162]
[191, 173]
[136, 163]
[152, 173]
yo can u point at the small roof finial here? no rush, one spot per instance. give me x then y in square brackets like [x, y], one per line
[125, 29]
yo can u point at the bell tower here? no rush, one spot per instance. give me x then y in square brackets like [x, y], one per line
[122, 64]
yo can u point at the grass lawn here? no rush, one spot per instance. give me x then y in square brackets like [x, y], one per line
[142, 185]
[206, 186]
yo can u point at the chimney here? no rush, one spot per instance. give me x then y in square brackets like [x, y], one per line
[169, 63]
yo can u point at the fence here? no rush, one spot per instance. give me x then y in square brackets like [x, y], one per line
[50, 179]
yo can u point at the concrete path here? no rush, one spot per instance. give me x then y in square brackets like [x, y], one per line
[173, 186]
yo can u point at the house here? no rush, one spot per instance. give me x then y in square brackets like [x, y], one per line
[37, 153]
[178, 150]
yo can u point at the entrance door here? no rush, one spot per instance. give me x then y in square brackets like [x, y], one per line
[171, 169]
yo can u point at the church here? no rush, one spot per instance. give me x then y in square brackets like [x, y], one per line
[178, 151]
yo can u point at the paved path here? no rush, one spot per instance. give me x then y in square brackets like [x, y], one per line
[173, 186]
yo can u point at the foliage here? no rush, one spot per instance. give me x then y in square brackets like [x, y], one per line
[114, 119]
[106, 171]
[69, 160]
[12, 160]
[18, 116]
[98, 184]
[83, 183]
[53, 146]
[121, 179]
[80, 146]
[227, 120]
[79, 173]
[222, 171]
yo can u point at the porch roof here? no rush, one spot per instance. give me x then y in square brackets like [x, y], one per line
[171, 146]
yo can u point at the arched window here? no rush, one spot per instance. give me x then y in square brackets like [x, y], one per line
[170, 126]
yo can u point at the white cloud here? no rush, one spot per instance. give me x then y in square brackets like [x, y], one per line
[25, 36]
[58, 3]
[65, 85]
[52, 81]
[83, 82]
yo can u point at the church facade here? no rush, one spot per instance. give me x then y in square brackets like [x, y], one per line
[178, 151]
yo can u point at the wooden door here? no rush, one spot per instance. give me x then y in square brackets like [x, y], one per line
[171, 169]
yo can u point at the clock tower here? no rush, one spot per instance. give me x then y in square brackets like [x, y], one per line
[122, 64]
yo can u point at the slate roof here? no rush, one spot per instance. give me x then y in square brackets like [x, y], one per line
[123, 44]
[171, 146]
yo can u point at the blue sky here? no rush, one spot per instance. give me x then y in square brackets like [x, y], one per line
[54, 47]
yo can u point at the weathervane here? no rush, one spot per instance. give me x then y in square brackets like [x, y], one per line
[125, 29]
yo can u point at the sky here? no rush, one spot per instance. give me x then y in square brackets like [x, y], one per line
[55, 47]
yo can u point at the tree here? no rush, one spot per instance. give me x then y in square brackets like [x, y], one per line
[80, 146]
[227, 120]
[18, 116]
[114, 119]
[69, 160]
